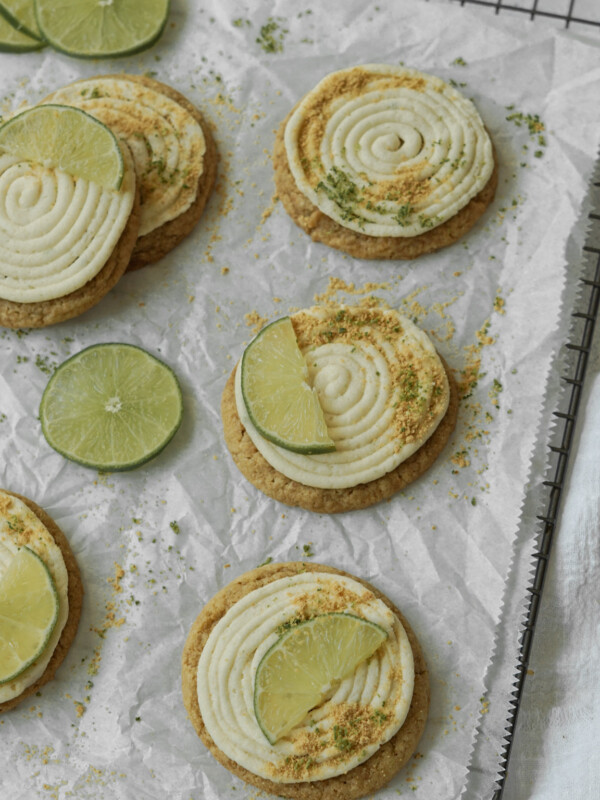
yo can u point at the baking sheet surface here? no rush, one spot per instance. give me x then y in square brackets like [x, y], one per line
[155, 544]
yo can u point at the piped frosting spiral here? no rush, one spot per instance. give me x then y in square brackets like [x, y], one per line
[56, 231]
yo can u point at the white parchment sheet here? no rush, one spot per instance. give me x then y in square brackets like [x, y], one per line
[155, 544]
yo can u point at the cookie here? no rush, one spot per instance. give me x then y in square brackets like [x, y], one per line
[288, 588]
[30, 681]
[395, 412]
[84, 275]
[384, 162]
[174, 153]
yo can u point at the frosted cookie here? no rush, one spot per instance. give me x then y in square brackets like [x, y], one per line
[359, 734]
[384, 162]
[23, 524]
[65, 241]
[389, 403]
[174, 153]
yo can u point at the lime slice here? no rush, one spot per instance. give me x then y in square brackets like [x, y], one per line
[282, 406]
[16, 41]
[111, 407]
[305, 664]
[101, 28]
[28, 612]
[66, 138]
[21, 15]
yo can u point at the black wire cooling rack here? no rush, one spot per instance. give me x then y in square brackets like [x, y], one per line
[581, 17]
[576, 14]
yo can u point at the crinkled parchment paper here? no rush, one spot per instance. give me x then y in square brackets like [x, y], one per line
[156, 543]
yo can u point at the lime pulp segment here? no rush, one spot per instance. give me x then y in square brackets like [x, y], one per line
[101, 28]
[280, 403]
[28, 612]
[305, 664]
[21, 15]
[111, 407]
[66, 138]
[15, 40]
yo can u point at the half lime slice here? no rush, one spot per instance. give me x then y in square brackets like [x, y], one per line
[111, 407]
[281, 404]
[28, 612]
[101, 28]
[305, 664]
[66, 138]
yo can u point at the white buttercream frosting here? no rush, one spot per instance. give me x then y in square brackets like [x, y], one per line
[382, 387]
[19, 527]
[167, 142]
[369, 706]
[388, 151]
[57, 231]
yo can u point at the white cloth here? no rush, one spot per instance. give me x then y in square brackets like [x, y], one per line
[556, 751]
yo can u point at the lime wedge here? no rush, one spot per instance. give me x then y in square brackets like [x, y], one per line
[305, 664]
[66, 138]
[28, 612]
[282, 406]
[21, 15]
[111, 407]
[101, 28]
[13, 40]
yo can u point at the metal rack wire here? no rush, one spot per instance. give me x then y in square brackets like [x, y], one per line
[573, 14]
[584, 316]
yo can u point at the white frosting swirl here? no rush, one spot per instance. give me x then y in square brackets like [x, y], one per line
[382, 388]
[388, 151]
[379, 691]
[167, 143]
[19, 526]
[56, 231]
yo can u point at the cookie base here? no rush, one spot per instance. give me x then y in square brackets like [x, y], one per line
[322, 228]
[329, 501]
[74, 594]
[364, 779]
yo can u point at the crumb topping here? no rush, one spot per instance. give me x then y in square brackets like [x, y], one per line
[351, 728]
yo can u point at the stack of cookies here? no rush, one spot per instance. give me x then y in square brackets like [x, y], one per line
[53, 263]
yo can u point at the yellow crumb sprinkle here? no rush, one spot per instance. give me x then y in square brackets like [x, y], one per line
[116, 581]
[255, 321]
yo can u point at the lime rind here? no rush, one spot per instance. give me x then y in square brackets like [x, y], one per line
[313, 695]
[75, 432]
[50, 625]
[67, 27]
[295, 398]
[21, 15]
[61, 137]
